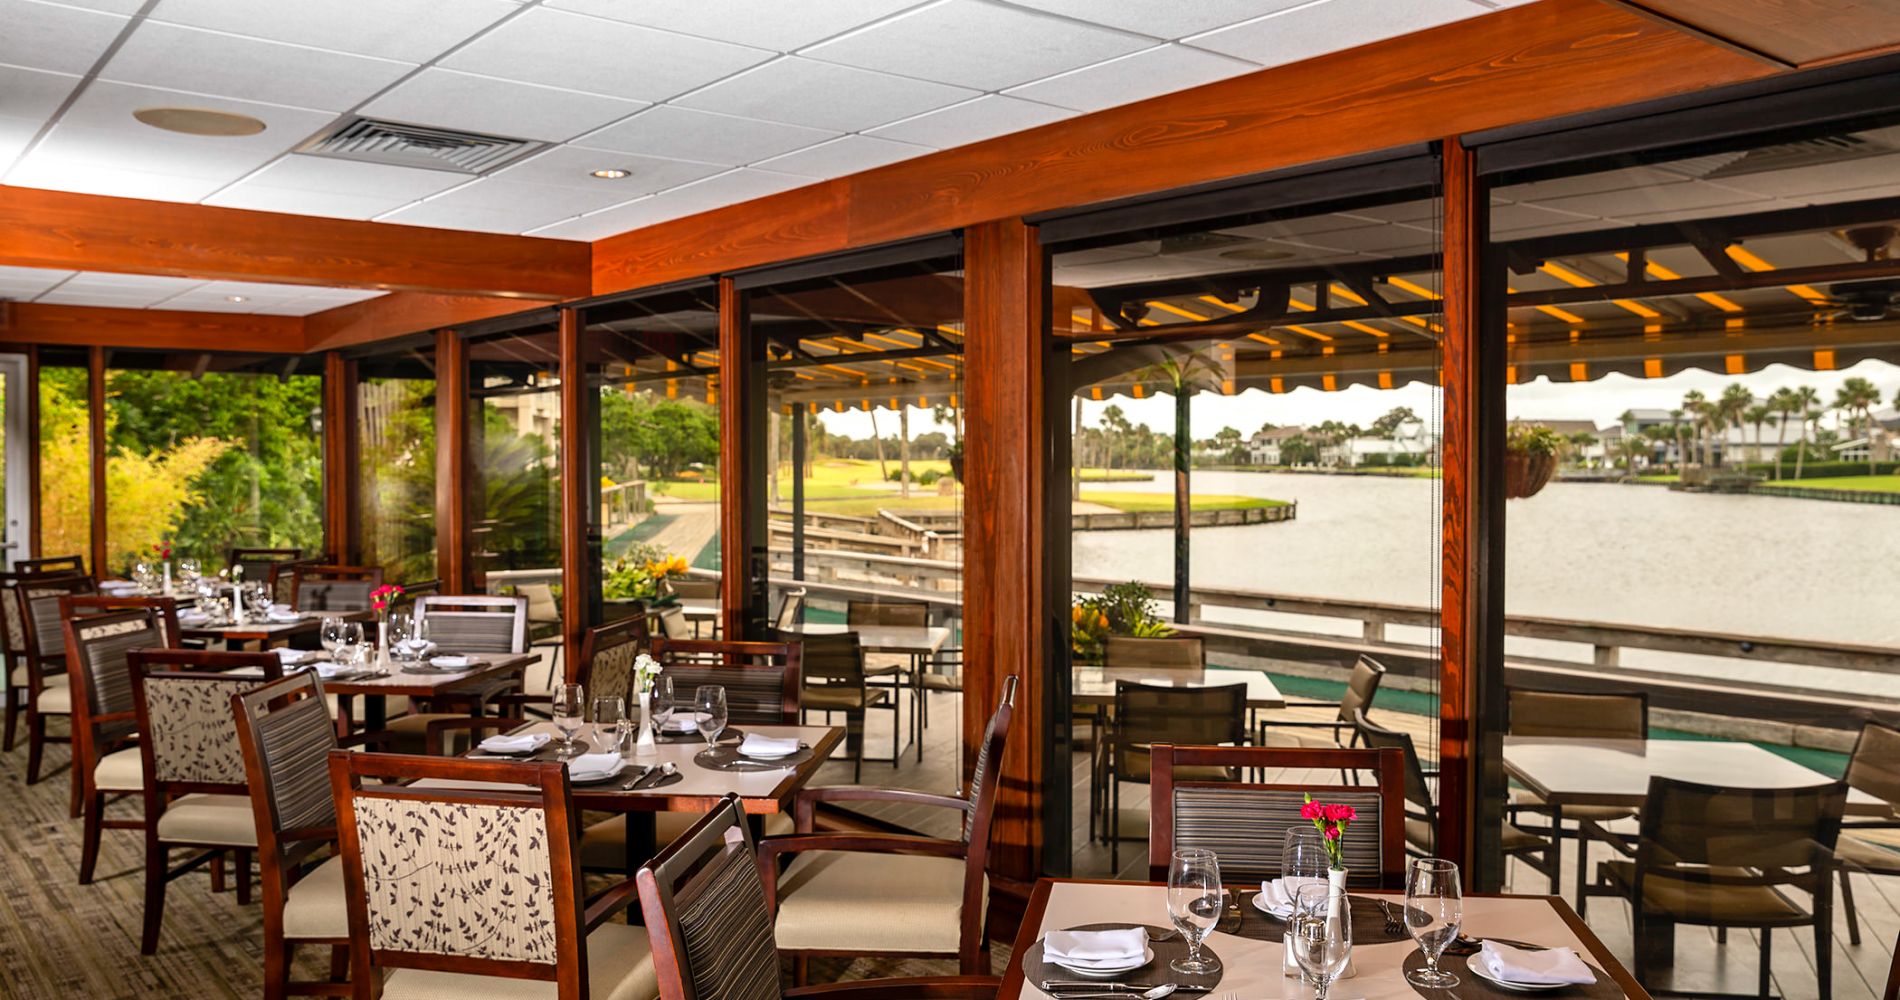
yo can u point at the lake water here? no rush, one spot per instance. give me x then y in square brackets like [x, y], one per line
[1752, 565]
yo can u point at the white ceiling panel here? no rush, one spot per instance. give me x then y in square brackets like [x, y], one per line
[127, 291]
[27, 99]
[1159, 70]
[49, 36]
[206, 62]
[497, 107]
[570, 167]
[24, 283]
[971, 121]
[73, 166]
[704, 136]
[601, 56]
[729, 188]
[104, 105]
[780, 25]
[412, 31]
[1163, 20]
[127, 7]
[498, 206]
[823, 95]
[972, 43]
[309, 185]
[1330, 26]
[846, 155]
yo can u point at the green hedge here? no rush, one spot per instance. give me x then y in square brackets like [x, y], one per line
[1822, 470]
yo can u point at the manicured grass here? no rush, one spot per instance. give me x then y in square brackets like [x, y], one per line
[922, 498]
[1865, 484]
[1116, 476]
[1142, 503]
[679, 489]
[1665, 477]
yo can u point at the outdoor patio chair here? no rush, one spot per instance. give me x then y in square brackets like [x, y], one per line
[883, 893]
[495, 867]
[1147, 714]
[43, 633]
[107, 763]
[1245, 823]
[1874, 768]
[1603, 715]
[1361, 686]
[791, 610]
[1176, 652]
[706, 907]
[835, 682]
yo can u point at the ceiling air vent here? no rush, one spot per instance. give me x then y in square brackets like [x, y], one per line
[1199, 242]
[400, 145]
[1783, 156]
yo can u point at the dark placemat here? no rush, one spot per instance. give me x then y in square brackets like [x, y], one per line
[1036, 971]
[631, 773]
[1368, 921]
[730, 734]
[726, 757]
[1472, 986]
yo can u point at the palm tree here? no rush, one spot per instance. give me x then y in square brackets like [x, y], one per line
[1695, 406]
[1783, 403]
[1675, 432]
[1856, 399]
[1729, 412]
[1182, 376]
[1757, 415]
[1807, 406]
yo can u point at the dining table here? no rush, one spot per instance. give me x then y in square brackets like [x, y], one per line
[1246, 943]
[376, 688]
[921, 643]
[267, 632]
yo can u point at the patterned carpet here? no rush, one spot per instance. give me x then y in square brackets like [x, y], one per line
[60, 940]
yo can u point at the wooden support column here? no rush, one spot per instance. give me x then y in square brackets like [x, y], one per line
[96, 439]
[451, 462]
[734, 460]
[575, 577]
[340, 535]
[1005, 629]
[34, 529]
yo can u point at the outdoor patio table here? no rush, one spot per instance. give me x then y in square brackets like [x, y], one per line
[1252, 967]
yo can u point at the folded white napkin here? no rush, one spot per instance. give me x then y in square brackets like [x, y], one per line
[119, 588]
[681, 724]
[452, 662]
[282, 607]
[524, 743]
[1105, 948]
[294, 656]
[1552, 967]
[593, 765]
[1276, 894]
[327, 668]
[755, 745]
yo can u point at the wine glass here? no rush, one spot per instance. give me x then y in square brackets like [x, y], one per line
[570, 701]
[353, 641]
[710, 699]
[1320, 934]
[145, 577]
[332, 632]
[399, 635]
[610, 710]
[1194, 905]
[1303, 856]
[188, 573]
[1434, 910]
[660, 700]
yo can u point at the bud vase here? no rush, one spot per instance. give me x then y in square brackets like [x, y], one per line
[1336, 881]
[166, 568]
[382, 645]
[643, 744]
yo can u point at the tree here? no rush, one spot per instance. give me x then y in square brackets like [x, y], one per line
[1388, 426]
[1730, 411]
[1675, 428]
[1182, 376]
[1115, 428]
[1632, 447]
[1807, 409]
[1580, 441]
[1782, 403]
[1230, 445]
[1757, 415]
[1856, 399]
[1696, 408]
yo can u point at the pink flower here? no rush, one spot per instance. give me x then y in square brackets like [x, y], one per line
[1312, 810]
[1332, 832]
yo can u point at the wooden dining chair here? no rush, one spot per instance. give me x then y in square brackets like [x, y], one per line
[197, 795]
[50, 566]
[107, 763]
[43, 633]
[261, 564]
[285, 734]
[89, 752]
[465, 884]
[1245, 823]
[1893, 974]
[885, 893]
[1146, 714]
[13, 644]
[706, 907]
[166, 608]
[335, 588]
[1601, 715]
[281, 576]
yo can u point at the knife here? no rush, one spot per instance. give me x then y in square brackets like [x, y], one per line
[649, 779]
[1072, 986]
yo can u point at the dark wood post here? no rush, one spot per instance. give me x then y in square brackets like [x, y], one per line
[96, 439]
[735, 461]
[575, 513]
[34, 530]
[451, 461]
[340, 521]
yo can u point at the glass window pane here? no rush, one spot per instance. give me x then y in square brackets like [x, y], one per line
[514, 495]
[396, 465]
[65, 464]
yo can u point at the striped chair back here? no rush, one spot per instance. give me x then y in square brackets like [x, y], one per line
[1360, 688]
[902, 614]
[983, 779]
[166, 608]
[50, 566]
[285, 734]
[100, 646]
[1612, 715]
[335, 588]
[38, 600]
[706, 913]
[260, 565]
[282, 578]
[187, 733]
[761, 678]
[1180, 652]
[480, 878]
[1245, 824]
[607, 654]
[486, 623]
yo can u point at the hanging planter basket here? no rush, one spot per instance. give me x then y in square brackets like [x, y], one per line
[1525, 473]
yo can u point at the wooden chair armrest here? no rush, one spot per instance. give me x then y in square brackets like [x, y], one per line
[115, 717]
[307, 833]
[808, 799]
[1589, 829]
[1311, 704]
[609, 902]
[921, 988]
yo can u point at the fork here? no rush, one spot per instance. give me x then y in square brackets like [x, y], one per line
[1394, 927]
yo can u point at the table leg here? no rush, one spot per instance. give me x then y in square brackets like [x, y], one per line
[641, 840]
[1557, 850]
[1657, 945]
[375, 713]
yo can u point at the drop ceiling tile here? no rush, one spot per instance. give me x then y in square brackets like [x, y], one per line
[206, 62]
[1162, 20]
[987, 116]
[767, 24]
[729, 188]
[109, 106]
[599, 56]
[130, 291]
[15, 135]
[68, 170]
[497, 107]
[53, 37]
[26, 282]
[1160, 70]
[972, 43]
[1330, 26]
[704, 136]
[571, 166]
[823, 95]
[126, 7]
[845, 155]
[499, 206]
[414, 31]
[34, 94]
[310, 185]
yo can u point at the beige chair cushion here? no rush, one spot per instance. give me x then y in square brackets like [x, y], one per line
[209, 819]
[1311, 739]
[604, 844]
[1418, 835]
[120, 771]
[55, 700]
[315, 906]
[1862, 855]
[834, 900]
[1519, 839]
[1524, 798]
[18, 679]
[1695, 902]
[619, 967]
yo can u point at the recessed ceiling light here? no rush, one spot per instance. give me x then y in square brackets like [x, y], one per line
[610, 174]
[235, 298]
[199, 121]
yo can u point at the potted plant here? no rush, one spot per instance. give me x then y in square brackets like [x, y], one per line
[642, 574]
[955, 454]
[1530, 456]
[1120, 609]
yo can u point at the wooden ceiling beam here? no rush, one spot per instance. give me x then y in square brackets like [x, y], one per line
[165, 329]
[399, 314]
[83, 232]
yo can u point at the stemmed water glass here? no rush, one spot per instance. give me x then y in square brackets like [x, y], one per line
[610, 715]
[1434, 910]
[710, 701]
[1194, 906]
[399, 634]
[332, 632]
[1320, 934]
[660, 701]
[570, 706]
[354, 642]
